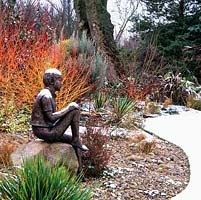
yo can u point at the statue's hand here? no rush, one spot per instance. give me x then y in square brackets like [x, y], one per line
[73, 106]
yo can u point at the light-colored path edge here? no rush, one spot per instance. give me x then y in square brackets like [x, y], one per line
[183, 130]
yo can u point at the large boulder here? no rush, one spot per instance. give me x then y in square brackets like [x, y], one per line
[53, 152]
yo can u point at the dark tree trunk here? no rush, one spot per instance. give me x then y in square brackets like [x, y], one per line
[94, 19]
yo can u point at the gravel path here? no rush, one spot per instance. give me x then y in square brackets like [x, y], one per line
[133, 175]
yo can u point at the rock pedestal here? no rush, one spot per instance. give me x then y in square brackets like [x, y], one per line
[53, 152]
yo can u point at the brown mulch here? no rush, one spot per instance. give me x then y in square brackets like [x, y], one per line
[132, 174]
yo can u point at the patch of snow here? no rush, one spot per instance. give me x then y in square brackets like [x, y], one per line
[53, 71]
[184, 130]
[46, 93]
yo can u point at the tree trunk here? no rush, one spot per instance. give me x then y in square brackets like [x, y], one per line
[94, 19]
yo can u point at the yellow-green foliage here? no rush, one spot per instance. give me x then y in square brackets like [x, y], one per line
[152, 108]
[194, 103]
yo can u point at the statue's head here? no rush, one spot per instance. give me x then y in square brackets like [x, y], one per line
[52, 77]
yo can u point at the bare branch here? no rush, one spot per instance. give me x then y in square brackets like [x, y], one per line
[125, 15]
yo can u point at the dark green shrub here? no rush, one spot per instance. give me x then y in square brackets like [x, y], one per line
[38, 181]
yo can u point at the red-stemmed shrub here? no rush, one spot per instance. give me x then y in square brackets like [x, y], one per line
[24, 56]
[97, 158]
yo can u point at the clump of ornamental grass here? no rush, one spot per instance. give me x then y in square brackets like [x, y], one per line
[122, 106]
[38, 180]
[141, 143]
[146, 146]
[167, 102]
[101, 100]
[6, 148]
[131, 121]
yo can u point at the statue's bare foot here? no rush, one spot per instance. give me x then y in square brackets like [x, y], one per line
[79, 145]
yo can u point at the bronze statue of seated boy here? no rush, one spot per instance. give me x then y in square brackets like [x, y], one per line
[49, 124]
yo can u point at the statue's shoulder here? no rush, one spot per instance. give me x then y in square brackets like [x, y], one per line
[44, 93]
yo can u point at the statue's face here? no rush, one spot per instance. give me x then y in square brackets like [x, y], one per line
[57, 82]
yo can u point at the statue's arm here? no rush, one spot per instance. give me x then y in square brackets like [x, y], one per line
[53, 116]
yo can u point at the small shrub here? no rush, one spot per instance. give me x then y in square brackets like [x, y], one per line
[139, 88]
[99, 68]
[97, 121]
[6, 112]
[17, 121]
[85, 45]
[13, 119]
[6, 148]
[37, 180]
[89, 56]
[194, 103]
[132, 121]
[152, 108]
[142, 69]
[98, 156]
[177, 88]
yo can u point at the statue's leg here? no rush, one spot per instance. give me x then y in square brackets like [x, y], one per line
[70, 119]
[44, 133]
[75, 123]
[79, 158]
[67, 139]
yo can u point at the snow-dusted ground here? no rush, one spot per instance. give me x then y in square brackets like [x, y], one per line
[184, 130]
